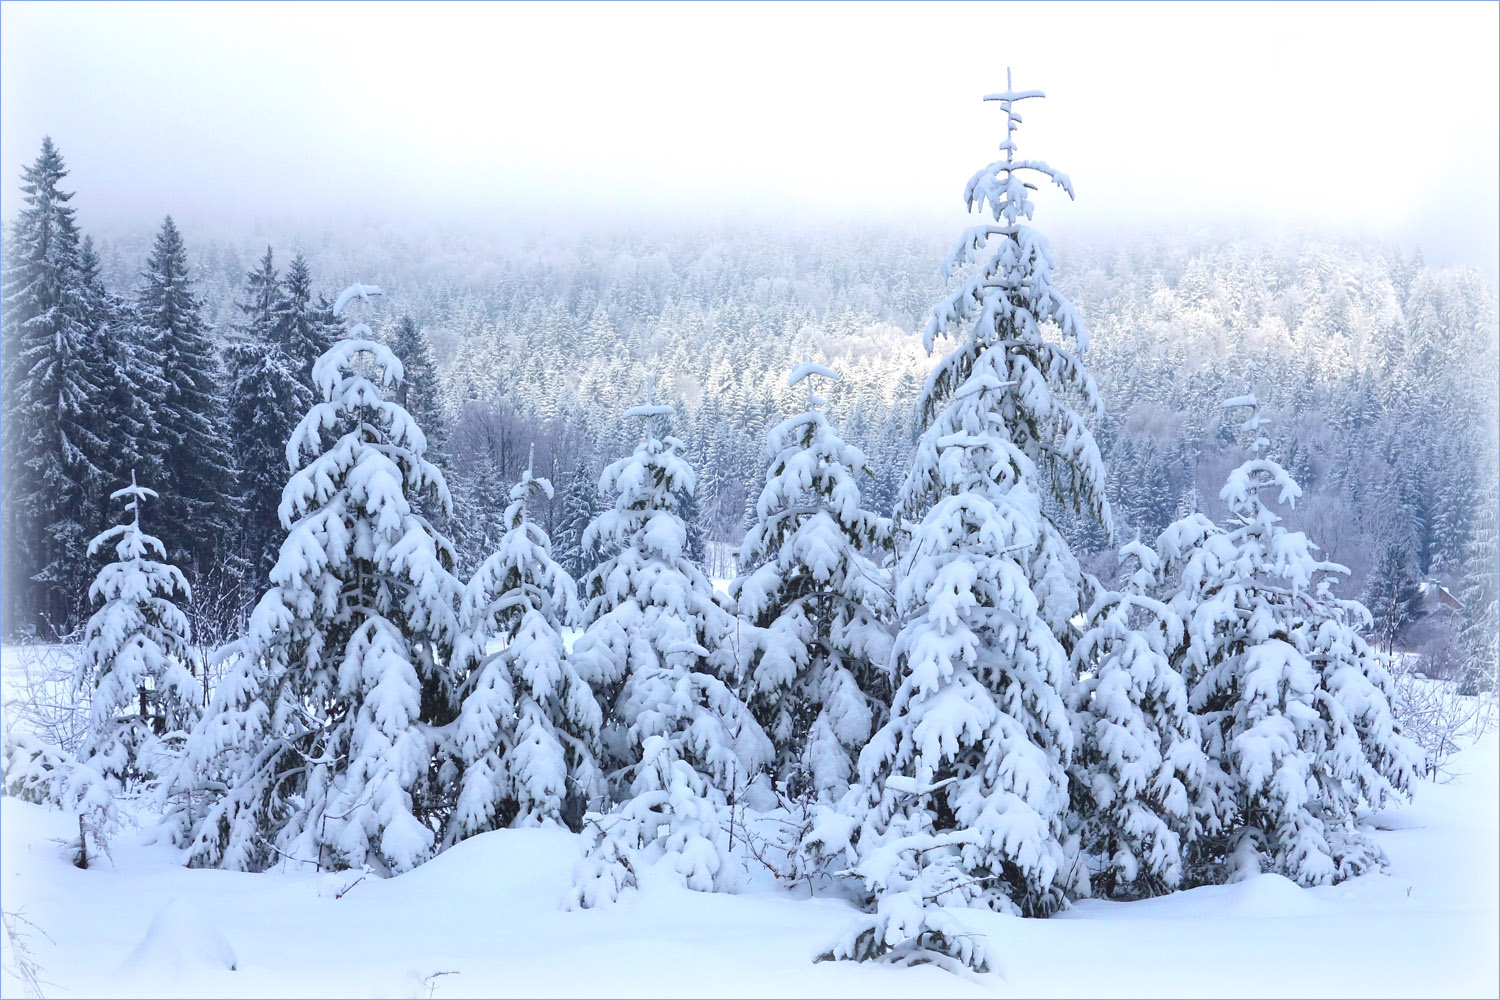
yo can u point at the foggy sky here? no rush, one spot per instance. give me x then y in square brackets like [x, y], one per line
[1375, 119]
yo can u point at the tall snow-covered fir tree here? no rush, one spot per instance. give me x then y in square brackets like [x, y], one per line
[323, 731]
[1293, 705]
[526, 736]
[136, 655]
[661, 653]
[968, 775]
[200, 509]
[48, 439]
[1138, 766]
[815, 586]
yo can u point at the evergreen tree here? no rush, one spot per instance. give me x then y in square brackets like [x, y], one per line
[1481, 613]
[1392, 596]
[418, 389]
[259, 308]
[129, 387]
[323, 731]
[659, 650]
[1138, 767]
[1293, 705]
[47, 436]
[135, 653]
[526, 736]
[968, 775]
[200, 511]
[302, 326]
[267, 395]
[579, 502]
[814, 585]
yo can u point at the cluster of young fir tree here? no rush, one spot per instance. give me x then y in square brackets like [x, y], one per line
[972, 720]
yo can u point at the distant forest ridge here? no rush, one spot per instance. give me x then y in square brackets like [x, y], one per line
[1362, 355]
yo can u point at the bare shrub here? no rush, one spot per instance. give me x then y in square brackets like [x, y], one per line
[1433, 714]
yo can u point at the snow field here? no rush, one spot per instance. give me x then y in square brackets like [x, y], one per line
[489, 911]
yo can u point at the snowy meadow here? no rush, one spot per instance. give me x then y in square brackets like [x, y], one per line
[684, 607]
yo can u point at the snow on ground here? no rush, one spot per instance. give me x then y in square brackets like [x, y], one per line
[488, 913]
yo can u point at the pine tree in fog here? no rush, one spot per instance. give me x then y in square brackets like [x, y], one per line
[266, 397]
[418, 389]
[1481, 614]
[50, 432]
[127, 377]
[200, 505]
[303, 326]
[1392, 596]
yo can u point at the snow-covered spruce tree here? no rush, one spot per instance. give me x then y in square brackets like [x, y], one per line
[47, 436]
[814, 583]
[527, 734]
[200, 509]
[969, 772]
[135, 653]
[1138, 766]
[1293, 705]
[661, 653]
[319, 742]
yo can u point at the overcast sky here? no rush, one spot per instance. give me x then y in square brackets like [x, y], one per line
[1376, 118]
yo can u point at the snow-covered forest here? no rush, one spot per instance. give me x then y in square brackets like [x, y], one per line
[845, 609]
[1361, 356]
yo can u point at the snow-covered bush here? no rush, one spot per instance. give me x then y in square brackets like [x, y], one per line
[913, 874]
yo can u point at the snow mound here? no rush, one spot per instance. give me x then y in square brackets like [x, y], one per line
[515, 863]
[1272, 896]
[180, 939]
